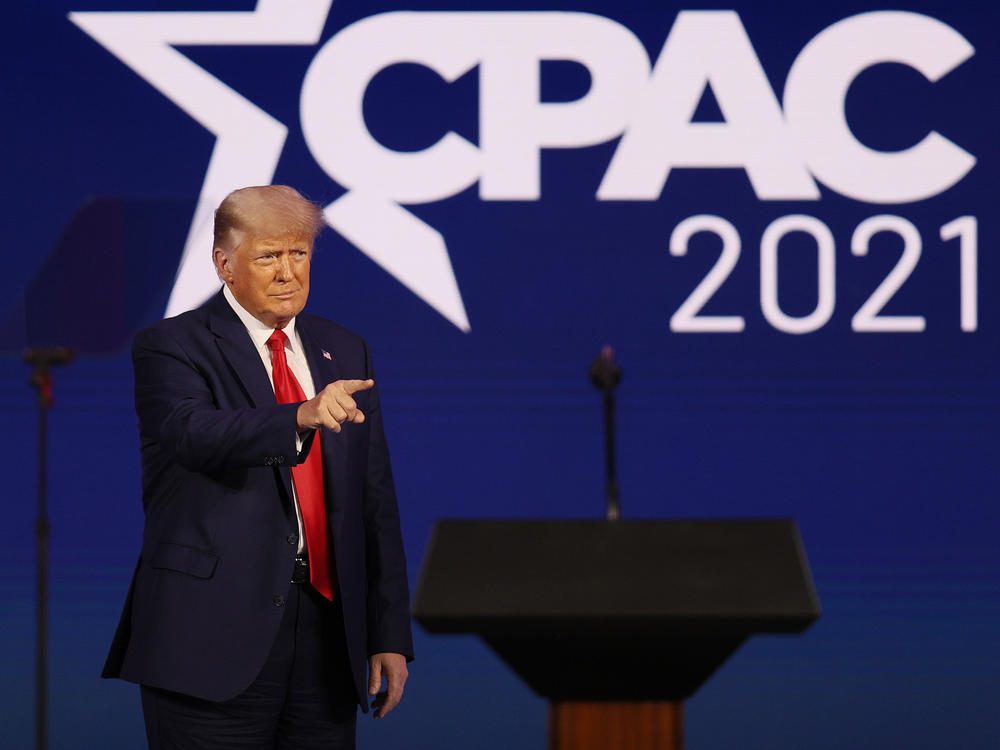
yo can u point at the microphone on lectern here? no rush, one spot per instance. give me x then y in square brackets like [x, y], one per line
[606, 374]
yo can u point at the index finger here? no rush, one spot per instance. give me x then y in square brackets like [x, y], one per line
[353, 386]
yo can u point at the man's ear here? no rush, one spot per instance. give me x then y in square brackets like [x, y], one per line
[223, 265]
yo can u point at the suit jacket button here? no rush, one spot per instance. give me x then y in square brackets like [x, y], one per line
[279, 600]
[292, 538]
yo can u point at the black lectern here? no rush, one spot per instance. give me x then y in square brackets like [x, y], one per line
[618, 622]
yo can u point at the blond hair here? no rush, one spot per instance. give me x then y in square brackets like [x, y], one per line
[265, 211]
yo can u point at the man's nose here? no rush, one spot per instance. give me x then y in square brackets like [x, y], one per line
[283, 271]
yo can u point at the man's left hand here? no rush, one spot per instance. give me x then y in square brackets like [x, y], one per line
[393, 666]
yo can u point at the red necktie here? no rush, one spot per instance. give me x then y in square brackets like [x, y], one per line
[308, 476]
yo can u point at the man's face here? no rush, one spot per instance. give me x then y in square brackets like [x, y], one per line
[269, 276]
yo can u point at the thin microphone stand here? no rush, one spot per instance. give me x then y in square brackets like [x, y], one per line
[606, 374]
[42, 360]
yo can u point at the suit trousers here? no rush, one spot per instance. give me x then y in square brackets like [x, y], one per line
[303, 697]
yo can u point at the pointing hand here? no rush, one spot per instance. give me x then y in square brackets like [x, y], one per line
[333, 406]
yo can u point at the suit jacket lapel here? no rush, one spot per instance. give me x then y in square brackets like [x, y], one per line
[238, 350]
[324, 371]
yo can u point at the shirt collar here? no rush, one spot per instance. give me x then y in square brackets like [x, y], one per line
[258, 331]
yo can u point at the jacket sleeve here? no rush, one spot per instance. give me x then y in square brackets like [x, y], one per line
[388, 587]
[179, 411]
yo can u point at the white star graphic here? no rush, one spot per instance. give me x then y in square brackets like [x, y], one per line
[249, 142]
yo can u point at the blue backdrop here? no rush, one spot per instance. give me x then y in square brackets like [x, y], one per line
[486, 278]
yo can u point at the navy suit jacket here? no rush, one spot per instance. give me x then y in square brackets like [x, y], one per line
[220, 538]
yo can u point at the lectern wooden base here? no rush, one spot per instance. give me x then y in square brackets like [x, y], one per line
[617, 725]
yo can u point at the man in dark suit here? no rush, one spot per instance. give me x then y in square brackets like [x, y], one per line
[272, 571]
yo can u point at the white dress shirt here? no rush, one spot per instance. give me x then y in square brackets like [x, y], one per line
[296, 357]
